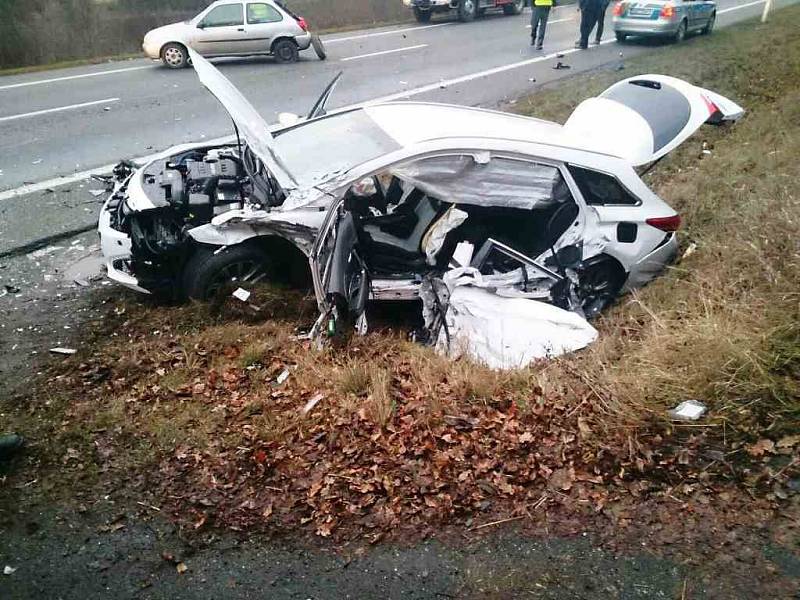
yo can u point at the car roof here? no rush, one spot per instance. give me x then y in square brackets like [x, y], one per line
[412, 123]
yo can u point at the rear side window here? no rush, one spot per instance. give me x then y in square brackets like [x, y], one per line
[224, 16]
[260, 12]
[599, 189]
[664, 108]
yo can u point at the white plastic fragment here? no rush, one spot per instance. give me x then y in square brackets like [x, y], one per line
[8, 570]
[312, 403]
[242, 294]
[65, 351]
[688, 410]
[283, 376]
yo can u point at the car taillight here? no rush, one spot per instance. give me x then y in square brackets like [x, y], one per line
[302, 22]
[619, 8]
[668, 11]
[667, 224]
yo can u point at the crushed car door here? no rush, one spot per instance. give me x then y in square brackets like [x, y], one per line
[318, 110]
[249, 123]
[643, 118]
[341, 280]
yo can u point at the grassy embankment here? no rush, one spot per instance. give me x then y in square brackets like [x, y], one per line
[174, 398]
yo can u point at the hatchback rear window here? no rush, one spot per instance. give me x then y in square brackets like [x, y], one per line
[599, 189]
[664, 108]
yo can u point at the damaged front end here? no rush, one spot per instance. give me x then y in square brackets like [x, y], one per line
[144, 224]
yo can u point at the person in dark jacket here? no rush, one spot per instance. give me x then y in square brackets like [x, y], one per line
[590, 9]
[601, 20]
[539, 16]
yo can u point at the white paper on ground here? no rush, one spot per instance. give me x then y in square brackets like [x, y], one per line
[507, 333]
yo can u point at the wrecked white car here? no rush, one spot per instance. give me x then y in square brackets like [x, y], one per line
[406, 192]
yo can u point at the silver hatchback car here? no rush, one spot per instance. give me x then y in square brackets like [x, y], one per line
[665, 18]
[234, 28]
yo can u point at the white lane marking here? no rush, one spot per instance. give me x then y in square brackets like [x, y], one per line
[69, 77]
[58, 109]
[381, 33]
[382, 52]
[553, 22]
[724, 10]
[68, 179]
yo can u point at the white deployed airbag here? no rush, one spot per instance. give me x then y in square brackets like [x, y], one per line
[502, 332]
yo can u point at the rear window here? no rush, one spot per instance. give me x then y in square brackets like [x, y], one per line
[599, 189]
[322, 148]
[664, 108]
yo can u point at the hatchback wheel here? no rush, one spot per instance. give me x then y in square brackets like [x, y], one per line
[319, 47]
[211, 272]
[599, 285]
[285, 51]
[680, 35]
[175, 56]
[467, 10]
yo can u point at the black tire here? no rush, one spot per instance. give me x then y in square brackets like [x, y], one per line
[319, 47]
[710, 25]
[422, 16]
[211, 271]
[621, 37]
[175, 56]
[514, 8]
[467, 10]
[680, 35]
[600, 283]
[285, 51]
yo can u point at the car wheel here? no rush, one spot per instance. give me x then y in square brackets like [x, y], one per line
[514, 8]
[621, 37]
[285, 51]
[175, 56]
[211, 271]
[710, 25]
[467, 10]
[680, 35]
[599, 285]
[319, 47]
[422, 16]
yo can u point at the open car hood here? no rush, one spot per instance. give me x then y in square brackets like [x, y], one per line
[643, 118]
[251, 125]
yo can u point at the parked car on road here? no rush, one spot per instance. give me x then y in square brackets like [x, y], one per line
[231, 28]
[397, 187]
[665, 18]
[467, 10]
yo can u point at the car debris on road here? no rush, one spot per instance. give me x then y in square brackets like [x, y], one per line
[379, 198]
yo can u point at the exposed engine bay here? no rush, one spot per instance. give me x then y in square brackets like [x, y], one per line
[179, 193]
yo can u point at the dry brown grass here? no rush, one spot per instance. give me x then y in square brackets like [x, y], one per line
[722, 325]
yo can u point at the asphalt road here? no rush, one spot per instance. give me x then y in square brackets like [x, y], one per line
[68, 121]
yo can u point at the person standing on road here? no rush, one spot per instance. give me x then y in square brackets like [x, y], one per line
[590, 9]
[539, 16]
[601, 20]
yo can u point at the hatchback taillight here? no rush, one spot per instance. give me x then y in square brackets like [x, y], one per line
[668, 11]
[302, 22]
[667, 224]
[619, 8]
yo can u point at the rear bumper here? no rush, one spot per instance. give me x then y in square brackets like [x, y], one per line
[649, 267]
[644, 26]
[303, 41]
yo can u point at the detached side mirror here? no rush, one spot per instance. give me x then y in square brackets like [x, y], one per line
[569, 257]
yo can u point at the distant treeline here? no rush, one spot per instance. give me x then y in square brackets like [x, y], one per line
[34, 32]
